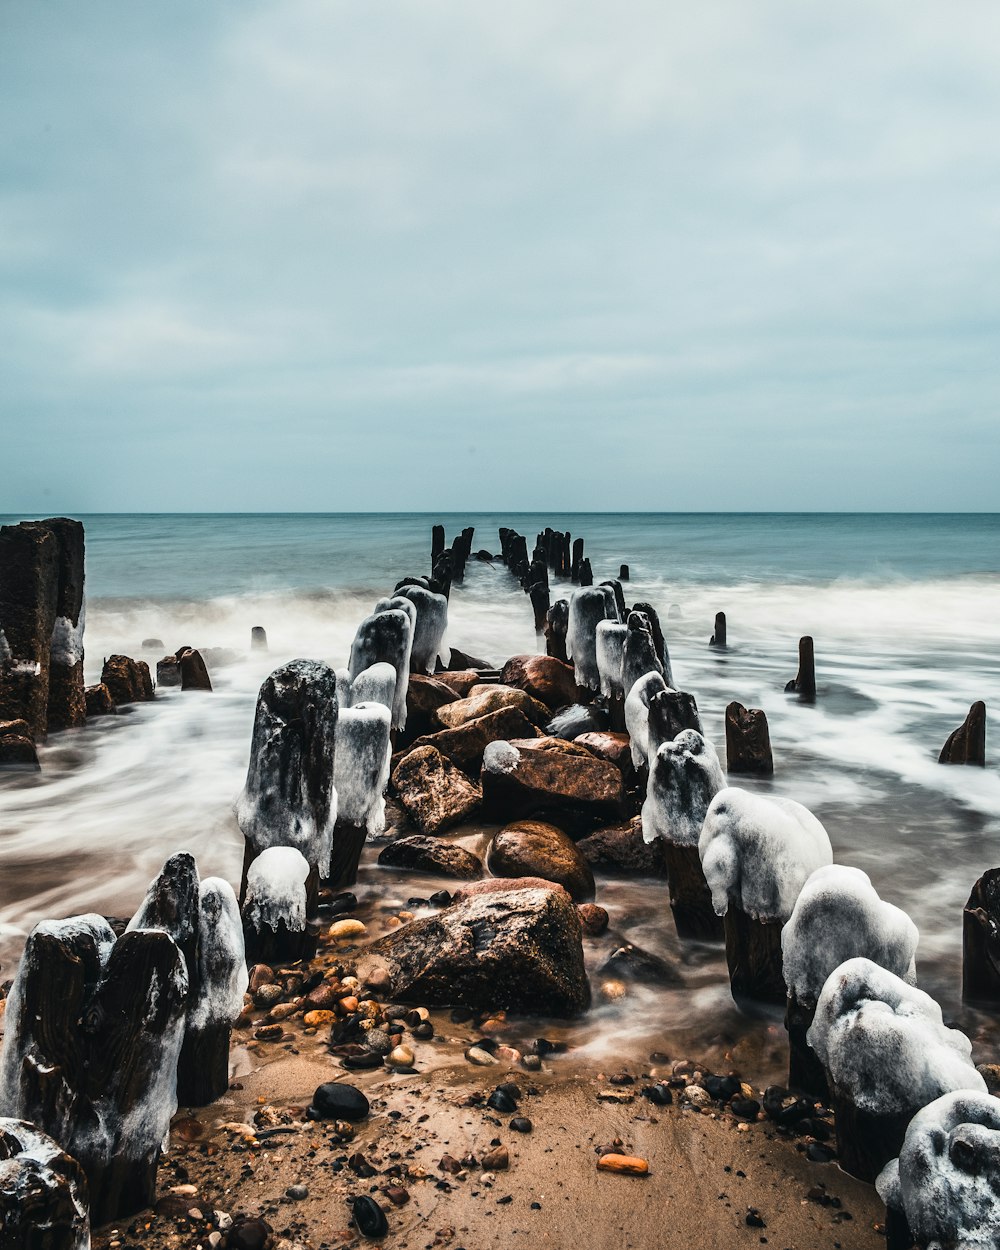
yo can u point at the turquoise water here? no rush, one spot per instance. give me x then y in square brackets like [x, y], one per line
[905, 611]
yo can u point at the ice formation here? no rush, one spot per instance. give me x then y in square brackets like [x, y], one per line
[343, 676]
[222, 966]
[67, 639]
[361, 771]
[171, 904]
[387, 636]
[587, 608]
[131, 996]
[639, 651]
[6, 655]
[610, 646]
[430, 630]
[289, 798]
[883, 1042]
[637, 714]
[501, 757]
[837, 916]
[758, 852]
[684, 776]
[578, 718]
[375, 684]
[32, 1164]
[276, 890]
[947, 1177]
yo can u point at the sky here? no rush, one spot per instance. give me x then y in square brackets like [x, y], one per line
[448, 254]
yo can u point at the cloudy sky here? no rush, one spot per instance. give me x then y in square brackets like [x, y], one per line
[375, 254]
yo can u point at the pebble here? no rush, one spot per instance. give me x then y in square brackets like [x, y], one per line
[593, 919]
[249, 1235]
[260, 975]
[369, 1218]
[297, 1192]
[697, 1096]
[624, 1165]
[397, 1195]
[337, 1100]
[658, 1094]
[521, 1124]
[400, 1057]
[613, 991]
[615, 1095]
[483, 1058]
[509, 1054]
[532, 1063]
[502, 1100]
[745, 1108]
[496, 1160]
[268, 994]
[341, 930]
[269, 1033]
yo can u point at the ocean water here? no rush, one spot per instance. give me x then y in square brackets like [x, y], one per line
[904, 609]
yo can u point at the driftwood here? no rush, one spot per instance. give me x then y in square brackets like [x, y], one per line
[43, 1192]
[94, 1033]
[690, 897]
[804, 682]
[748, 741]
[967, 744]
[806, 1074]
[981, 943]
[753, 952]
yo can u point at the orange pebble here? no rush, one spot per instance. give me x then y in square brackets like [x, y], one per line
[625, 1165]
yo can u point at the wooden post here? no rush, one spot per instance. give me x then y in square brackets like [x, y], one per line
[194, 672]
[753, 952]
[443, 572]
[670, 711]
[29, 594]
[127, 679]
[659, 642]
[94, 1031]
[437, 544]
[281, 908]
[967, 745]
[67, 706]
[577, 559]
[806, 1074]
[623, 573]
[748, 742]
[981, 943]
[539, 595]
[43, 1192]
[866, 1141]
[171, 904]
[556, 621]
[804, 682]
[719, 637]
[586, 574]
[619, 594]
[258, 638]
[690, 897]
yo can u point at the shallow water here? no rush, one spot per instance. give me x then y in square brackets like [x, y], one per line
[904, 611]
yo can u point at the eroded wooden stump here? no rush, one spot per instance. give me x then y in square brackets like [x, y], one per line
[690, 897]
[981, 943]
[804, 682]
[753, 952]
[967, 745]
[806, 1074]
[748, 741]
[43, 1192]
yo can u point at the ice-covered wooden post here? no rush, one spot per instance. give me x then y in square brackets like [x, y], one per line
[757, 854]
[43, 1192]
[637, 712]
[556, 623]
[944, 1189]
[94, 1029]
[748, 741]
[652, 618]
[670, 713]
[587, 608]
[804, 682]
[837, 916]
[361, 774]
[967, 744]
[429, 630]
[216, 998]
[684, 776]
[277, 906]
[887, 1054]
[981, 943]
[639, 655]
[610, 645]
[387, 637]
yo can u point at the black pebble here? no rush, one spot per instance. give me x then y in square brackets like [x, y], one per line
[500, 1100]
[336, 1100]
[816, 1152]
[521, 1124]
[658, 1094]
[369, 1218]
[745, 1108]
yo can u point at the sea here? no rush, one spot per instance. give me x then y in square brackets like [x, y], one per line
[904, 610]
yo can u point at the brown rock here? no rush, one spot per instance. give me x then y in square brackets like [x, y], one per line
[496, 1160]
[465, 744]
[748, 742]
[967, 745]
[621, 849]
[460, 682]
[433, 791]
[17, 746]
[168, 671]
[545, 678]
[624, 1165]
[551, 777]
[491, 699]
[593, 919]
[616, 748]
[497, 885]
[127, 679]
[432, 855]
[194, 673]
[99, 701]
[532, 848]
[515, 950]
[424, 695]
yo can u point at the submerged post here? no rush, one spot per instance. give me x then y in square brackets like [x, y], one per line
[967, 745]
[804, 682]
[719, 637]
[748, 742]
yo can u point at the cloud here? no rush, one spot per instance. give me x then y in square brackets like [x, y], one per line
[704, 241]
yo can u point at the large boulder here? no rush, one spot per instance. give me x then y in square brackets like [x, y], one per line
[614, 747]
[531, 848]
[497, 885]
[482, 701]
[621, 849]
[432, 855]
[435, 794]
[127, 679]
[464, 745]
[549, 777]
[424, 696]
[514, 950]
[99, 701]
[545, 678]
[461, 682]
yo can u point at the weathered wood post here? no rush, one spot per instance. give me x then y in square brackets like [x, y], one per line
[67, 705]
[659, 641]
[748, 742]
[967, 744]
[437, 544]
[719, 636]
[258, 638]
[623, 573]
[93, 1034]
[556, 623]
[194, 671]
[281, 897]
[219, 979]
[128, 680]
[670, 712]
[361, 774]
[804, 682]
[684, 777]
[586, 577]
[757, 854]
[539, 596]
[171, 904]
[43, 1192]
[29, 597]
[981, 943]
[577, 559]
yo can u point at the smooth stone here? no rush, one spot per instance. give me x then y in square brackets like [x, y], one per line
[337, 1100]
